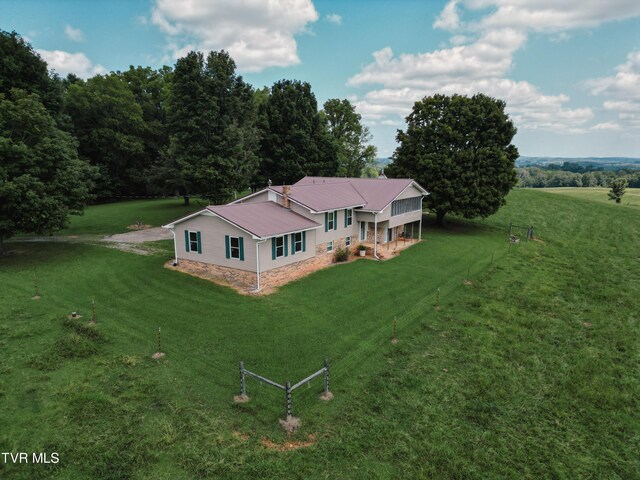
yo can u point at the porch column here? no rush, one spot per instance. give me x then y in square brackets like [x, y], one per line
[375, 235]
[420, 228]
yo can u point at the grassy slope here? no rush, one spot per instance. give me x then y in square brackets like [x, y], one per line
[598, 194]
[110, 218]
[504, 381]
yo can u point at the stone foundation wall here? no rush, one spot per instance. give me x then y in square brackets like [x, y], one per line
[382, 232]
[246, 282]
[232, 277]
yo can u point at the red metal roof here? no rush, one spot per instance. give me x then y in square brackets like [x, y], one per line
[325, 196]
[376, 193]
[265, 219]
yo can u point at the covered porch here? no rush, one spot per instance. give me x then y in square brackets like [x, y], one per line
[390, 241]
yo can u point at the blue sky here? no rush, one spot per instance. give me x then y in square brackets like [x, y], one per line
[569, 70]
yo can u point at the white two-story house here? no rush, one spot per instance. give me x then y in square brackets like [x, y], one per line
[282, 229]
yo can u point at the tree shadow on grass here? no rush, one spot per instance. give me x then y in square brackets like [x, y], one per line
[462, 226]
[31, 254]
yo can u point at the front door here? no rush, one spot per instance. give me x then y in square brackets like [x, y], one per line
[389, 234]
[363, 231]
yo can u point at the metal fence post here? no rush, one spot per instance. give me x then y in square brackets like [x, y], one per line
[326, 376]
[287, 393]
[242, 384]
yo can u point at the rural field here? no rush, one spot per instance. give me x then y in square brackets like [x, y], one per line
[597, 194]
[530, 371]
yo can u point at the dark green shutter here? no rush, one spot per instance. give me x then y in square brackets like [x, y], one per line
[286, 245]
[293, 244]
[273, 248]
[345, 218]
[227, 246]
[335, 219]
[304, 241]
[186, 240]
[199, 242]
[326, 222]
[241, 242]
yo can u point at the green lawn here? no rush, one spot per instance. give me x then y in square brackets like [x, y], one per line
[110, 218]
[531, 372]
[598, 194]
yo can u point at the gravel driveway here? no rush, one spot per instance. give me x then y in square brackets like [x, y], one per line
[141, 236]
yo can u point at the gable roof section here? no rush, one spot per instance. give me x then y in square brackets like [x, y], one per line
[376, 193]
[263, 220]
[324, 197]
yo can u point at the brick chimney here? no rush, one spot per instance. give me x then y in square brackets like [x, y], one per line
[286, 190]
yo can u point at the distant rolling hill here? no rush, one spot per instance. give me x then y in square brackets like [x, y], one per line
[607, 163]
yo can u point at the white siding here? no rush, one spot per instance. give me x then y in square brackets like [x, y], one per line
[212, 232]
[266, 256]
[409, 192]
[258, 198]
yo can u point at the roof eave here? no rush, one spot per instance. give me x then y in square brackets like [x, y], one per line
[266, 237]
[183, 219]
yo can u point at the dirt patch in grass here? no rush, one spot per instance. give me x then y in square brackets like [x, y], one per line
[132, 248]
[240, 435]
[289, 444]
[326, 396]
[291, 424]
[138, 226]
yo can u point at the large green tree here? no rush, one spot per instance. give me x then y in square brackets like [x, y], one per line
[151, 89]
[109, 124]
[211, 122]
[351, 138]
[459, 148]
[21, 67]
[42, 180]
[295, 136]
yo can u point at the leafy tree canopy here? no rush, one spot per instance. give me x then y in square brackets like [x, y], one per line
[211, 121]
[351, 138]
[21, 67]
[618, 189]
[109, 124]
[42, 180]
[296, 140]
[459, 148]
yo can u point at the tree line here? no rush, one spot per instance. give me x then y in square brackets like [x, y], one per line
[197, 128]
[536, 177]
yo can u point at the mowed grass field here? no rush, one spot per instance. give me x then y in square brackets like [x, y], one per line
[532, 371]
[598, 194]
[110, 218]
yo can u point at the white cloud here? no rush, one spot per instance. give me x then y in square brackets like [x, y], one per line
[334, 18]
[256, 33]
[609, 126]
[482, 56]
[64, 63]
[625, 84]
[74, 34]
[622, 90]
[448, 18]
[458, 40]
[527, 106]
[552, 15]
